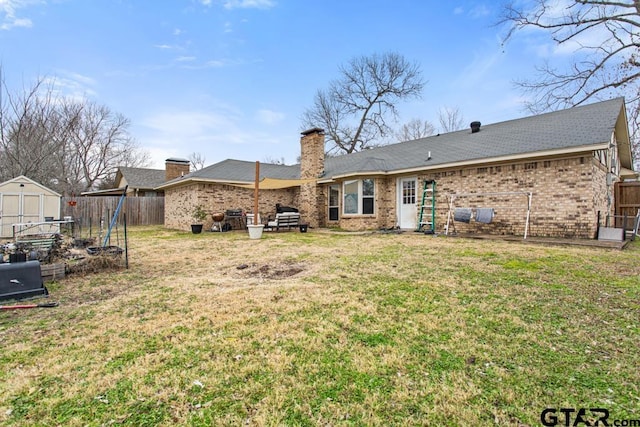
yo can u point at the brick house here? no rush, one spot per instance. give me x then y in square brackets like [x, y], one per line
[551, 174]
[142, 182]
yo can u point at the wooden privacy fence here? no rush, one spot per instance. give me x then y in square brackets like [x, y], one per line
[627, 202]
[89, 212]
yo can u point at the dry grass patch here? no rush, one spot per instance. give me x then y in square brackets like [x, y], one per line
[327, 328]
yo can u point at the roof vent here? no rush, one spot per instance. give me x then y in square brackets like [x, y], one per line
[475, 127]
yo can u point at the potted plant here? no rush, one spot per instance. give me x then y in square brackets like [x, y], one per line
[199, 215]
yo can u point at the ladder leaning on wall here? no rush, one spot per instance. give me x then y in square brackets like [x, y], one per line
[427, 217]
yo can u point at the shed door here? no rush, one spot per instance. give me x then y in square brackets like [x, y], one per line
[10, 213]
[31, 208]
[19, 208]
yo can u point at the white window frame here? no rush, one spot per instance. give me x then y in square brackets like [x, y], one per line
[348, 198]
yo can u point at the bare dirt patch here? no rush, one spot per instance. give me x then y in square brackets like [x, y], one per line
[273, 271]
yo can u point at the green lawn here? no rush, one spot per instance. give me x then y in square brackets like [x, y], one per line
[325, 328]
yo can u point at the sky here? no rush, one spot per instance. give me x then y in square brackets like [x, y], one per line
[232, 78]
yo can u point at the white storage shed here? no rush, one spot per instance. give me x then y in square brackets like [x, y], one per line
[24, 201]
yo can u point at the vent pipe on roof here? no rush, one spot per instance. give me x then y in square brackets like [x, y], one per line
[475, 127]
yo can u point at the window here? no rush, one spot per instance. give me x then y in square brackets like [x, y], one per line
[367, 196]
[334, 202]
[409, 192]
[359, 197]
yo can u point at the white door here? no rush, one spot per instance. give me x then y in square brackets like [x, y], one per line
[10, 214]
[407, 199]
[19, 208]
[31, 207]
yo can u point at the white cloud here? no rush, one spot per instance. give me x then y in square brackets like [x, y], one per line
[8, 16]
[72, 85]
[189, 126]
[539, 40]
[249, 4]
[594, 37]
[478, 70]
[24, 23]
[242, 4]
[212, 63]
[479, 11]
[217, 134]
[216, 63]
[269, 117]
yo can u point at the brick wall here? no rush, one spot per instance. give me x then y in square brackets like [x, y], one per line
[566, 196]
[181, 201]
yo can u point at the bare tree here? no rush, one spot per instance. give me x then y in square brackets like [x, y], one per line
[97, 143]
[450, 119]
[197, 160]
[273, 160]
[67, 145]
[415, 129]
[606, 38]
[354, 111]
[27, 123]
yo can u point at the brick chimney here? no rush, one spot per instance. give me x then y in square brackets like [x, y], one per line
[175, 168]
[312, 153]
[311, 166]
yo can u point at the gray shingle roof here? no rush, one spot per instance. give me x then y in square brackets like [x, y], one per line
[575, 127]
[143, 178]
[245, 171]
[585, 126]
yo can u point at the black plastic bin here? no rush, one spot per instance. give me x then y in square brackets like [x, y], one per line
[17, 257]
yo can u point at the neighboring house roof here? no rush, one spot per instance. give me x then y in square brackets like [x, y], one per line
[140, 178]
[135, 178]
[574, 130]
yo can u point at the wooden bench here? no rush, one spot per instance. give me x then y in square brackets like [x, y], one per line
[284, 220]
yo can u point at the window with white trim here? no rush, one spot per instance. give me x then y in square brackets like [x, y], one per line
[359, 197]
